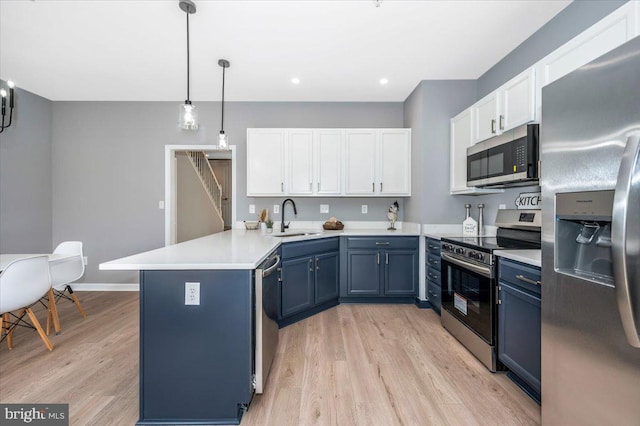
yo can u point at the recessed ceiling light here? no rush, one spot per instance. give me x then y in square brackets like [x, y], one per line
[384, 81]
[295, 80]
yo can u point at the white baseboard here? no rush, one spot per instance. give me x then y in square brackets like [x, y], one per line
[105, 287]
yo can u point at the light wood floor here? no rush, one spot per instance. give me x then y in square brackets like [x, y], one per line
[350, 365]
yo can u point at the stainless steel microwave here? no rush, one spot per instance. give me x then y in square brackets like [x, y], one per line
[509, 159]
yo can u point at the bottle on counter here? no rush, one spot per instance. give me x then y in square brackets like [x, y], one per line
[480, 219]
[469, 226]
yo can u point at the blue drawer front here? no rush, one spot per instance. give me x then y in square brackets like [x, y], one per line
[520, 275]
[433, 275]
[433, 294]
[433, 246]
[434, 261]
[311, 247]
[382, 242]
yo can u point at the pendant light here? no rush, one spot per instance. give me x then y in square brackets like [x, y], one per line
[188, 114]
[3, 94]
[223, 143]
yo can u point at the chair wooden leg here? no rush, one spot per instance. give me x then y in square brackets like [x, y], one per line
[78, 305]
[36, 324]
[5, 327]
[49, 318]
[54, 311]
[10, 335]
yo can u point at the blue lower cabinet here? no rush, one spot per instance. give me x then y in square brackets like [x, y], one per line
[381, 268]
[327, 277]
[363, 273]
[309, 278]
[401, 272]
[519, 323]
[297, 285]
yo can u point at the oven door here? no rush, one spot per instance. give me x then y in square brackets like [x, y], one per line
[468, 293]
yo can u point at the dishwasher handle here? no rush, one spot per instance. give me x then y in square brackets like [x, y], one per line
[268, 271]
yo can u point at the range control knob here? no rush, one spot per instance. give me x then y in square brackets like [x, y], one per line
[459, 250]
[476, 255]
[446, 247]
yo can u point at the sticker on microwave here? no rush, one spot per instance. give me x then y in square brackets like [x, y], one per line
[460, 303]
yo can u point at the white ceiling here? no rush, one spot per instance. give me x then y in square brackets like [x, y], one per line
[136, 50]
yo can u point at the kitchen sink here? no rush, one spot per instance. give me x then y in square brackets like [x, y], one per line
[296, 234]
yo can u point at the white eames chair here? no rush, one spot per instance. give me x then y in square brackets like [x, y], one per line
[22, 284]
[65, 272]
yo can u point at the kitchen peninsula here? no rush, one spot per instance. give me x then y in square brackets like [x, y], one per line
[197, 360]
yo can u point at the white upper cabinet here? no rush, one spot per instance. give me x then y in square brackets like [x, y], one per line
[607, 34]
[300, 161]
[327, 164]
[265, 162]
[360, 161]
[507, 107]
[394, 157]
[461, 132]
[485, 113]
[518, 101]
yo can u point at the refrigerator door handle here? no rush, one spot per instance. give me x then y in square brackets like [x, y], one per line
[625, 236]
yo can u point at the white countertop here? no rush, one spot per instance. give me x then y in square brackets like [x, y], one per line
[530, 257]
[235, 249]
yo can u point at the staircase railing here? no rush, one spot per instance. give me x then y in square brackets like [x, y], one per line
[208, 178]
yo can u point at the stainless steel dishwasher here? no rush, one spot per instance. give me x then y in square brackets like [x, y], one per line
[266, 315]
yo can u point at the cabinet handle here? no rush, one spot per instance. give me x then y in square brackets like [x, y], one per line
[318, 186]
[310, 265]
[317, 263]
[382, 244]
[380, 186]
[493, 126]
[527, 280]
[373, 187]
[311, 186]
[378, 256]
[386, 258]
[281, 186]
[502, 122]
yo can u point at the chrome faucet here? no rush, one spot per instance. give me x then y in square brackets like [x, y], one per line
[295, 213]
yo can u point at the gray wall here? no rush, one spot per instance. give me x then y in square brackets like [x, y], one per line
[571, 21]
[108, 167]
[25, 177]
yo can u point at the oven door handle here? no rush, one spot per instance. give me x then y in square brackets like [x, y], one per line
[485, 271]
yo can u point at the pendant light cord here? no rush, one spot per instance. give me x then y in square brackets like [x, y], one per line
[222, 122]
[188, 70]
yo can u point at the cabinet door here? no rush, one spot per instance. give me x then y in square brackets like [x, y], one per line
[460, 141]
[518, 101]
[297, 285]
[519, 333]
[394, 162]
[265, 162]
[360, 155]
[433, 293]
[328, 162]
[485, 115]
[327, 278]
[401, 272]
[363, 272]
[300, 161]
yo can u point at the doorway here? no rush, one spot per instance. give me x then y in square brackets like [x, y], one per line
[171, 187]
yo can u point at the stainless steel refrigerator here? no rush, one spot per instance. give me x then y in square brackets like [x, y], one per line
[590, 179]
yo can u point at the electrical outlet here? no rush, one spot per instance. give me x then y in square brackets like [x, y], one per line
[365, 209]
[252, 208]
[502, 206]
[86, 260]
[276, 208]
[191, 293]
[324, 208]
[161, 205]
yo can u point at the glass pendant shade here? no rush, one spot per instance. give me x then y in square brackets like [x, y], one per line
[223, 142]
[188, 116]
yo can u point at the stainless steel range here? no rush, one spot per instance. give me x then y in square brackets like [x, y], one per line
[469, 282]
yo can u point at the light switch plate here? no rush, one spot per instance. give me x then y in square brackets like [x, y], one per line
[276, 208]
[161, 204]
[502, 206]
[365, 209]
[252, 208]
[191, 293]
[324, 208]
